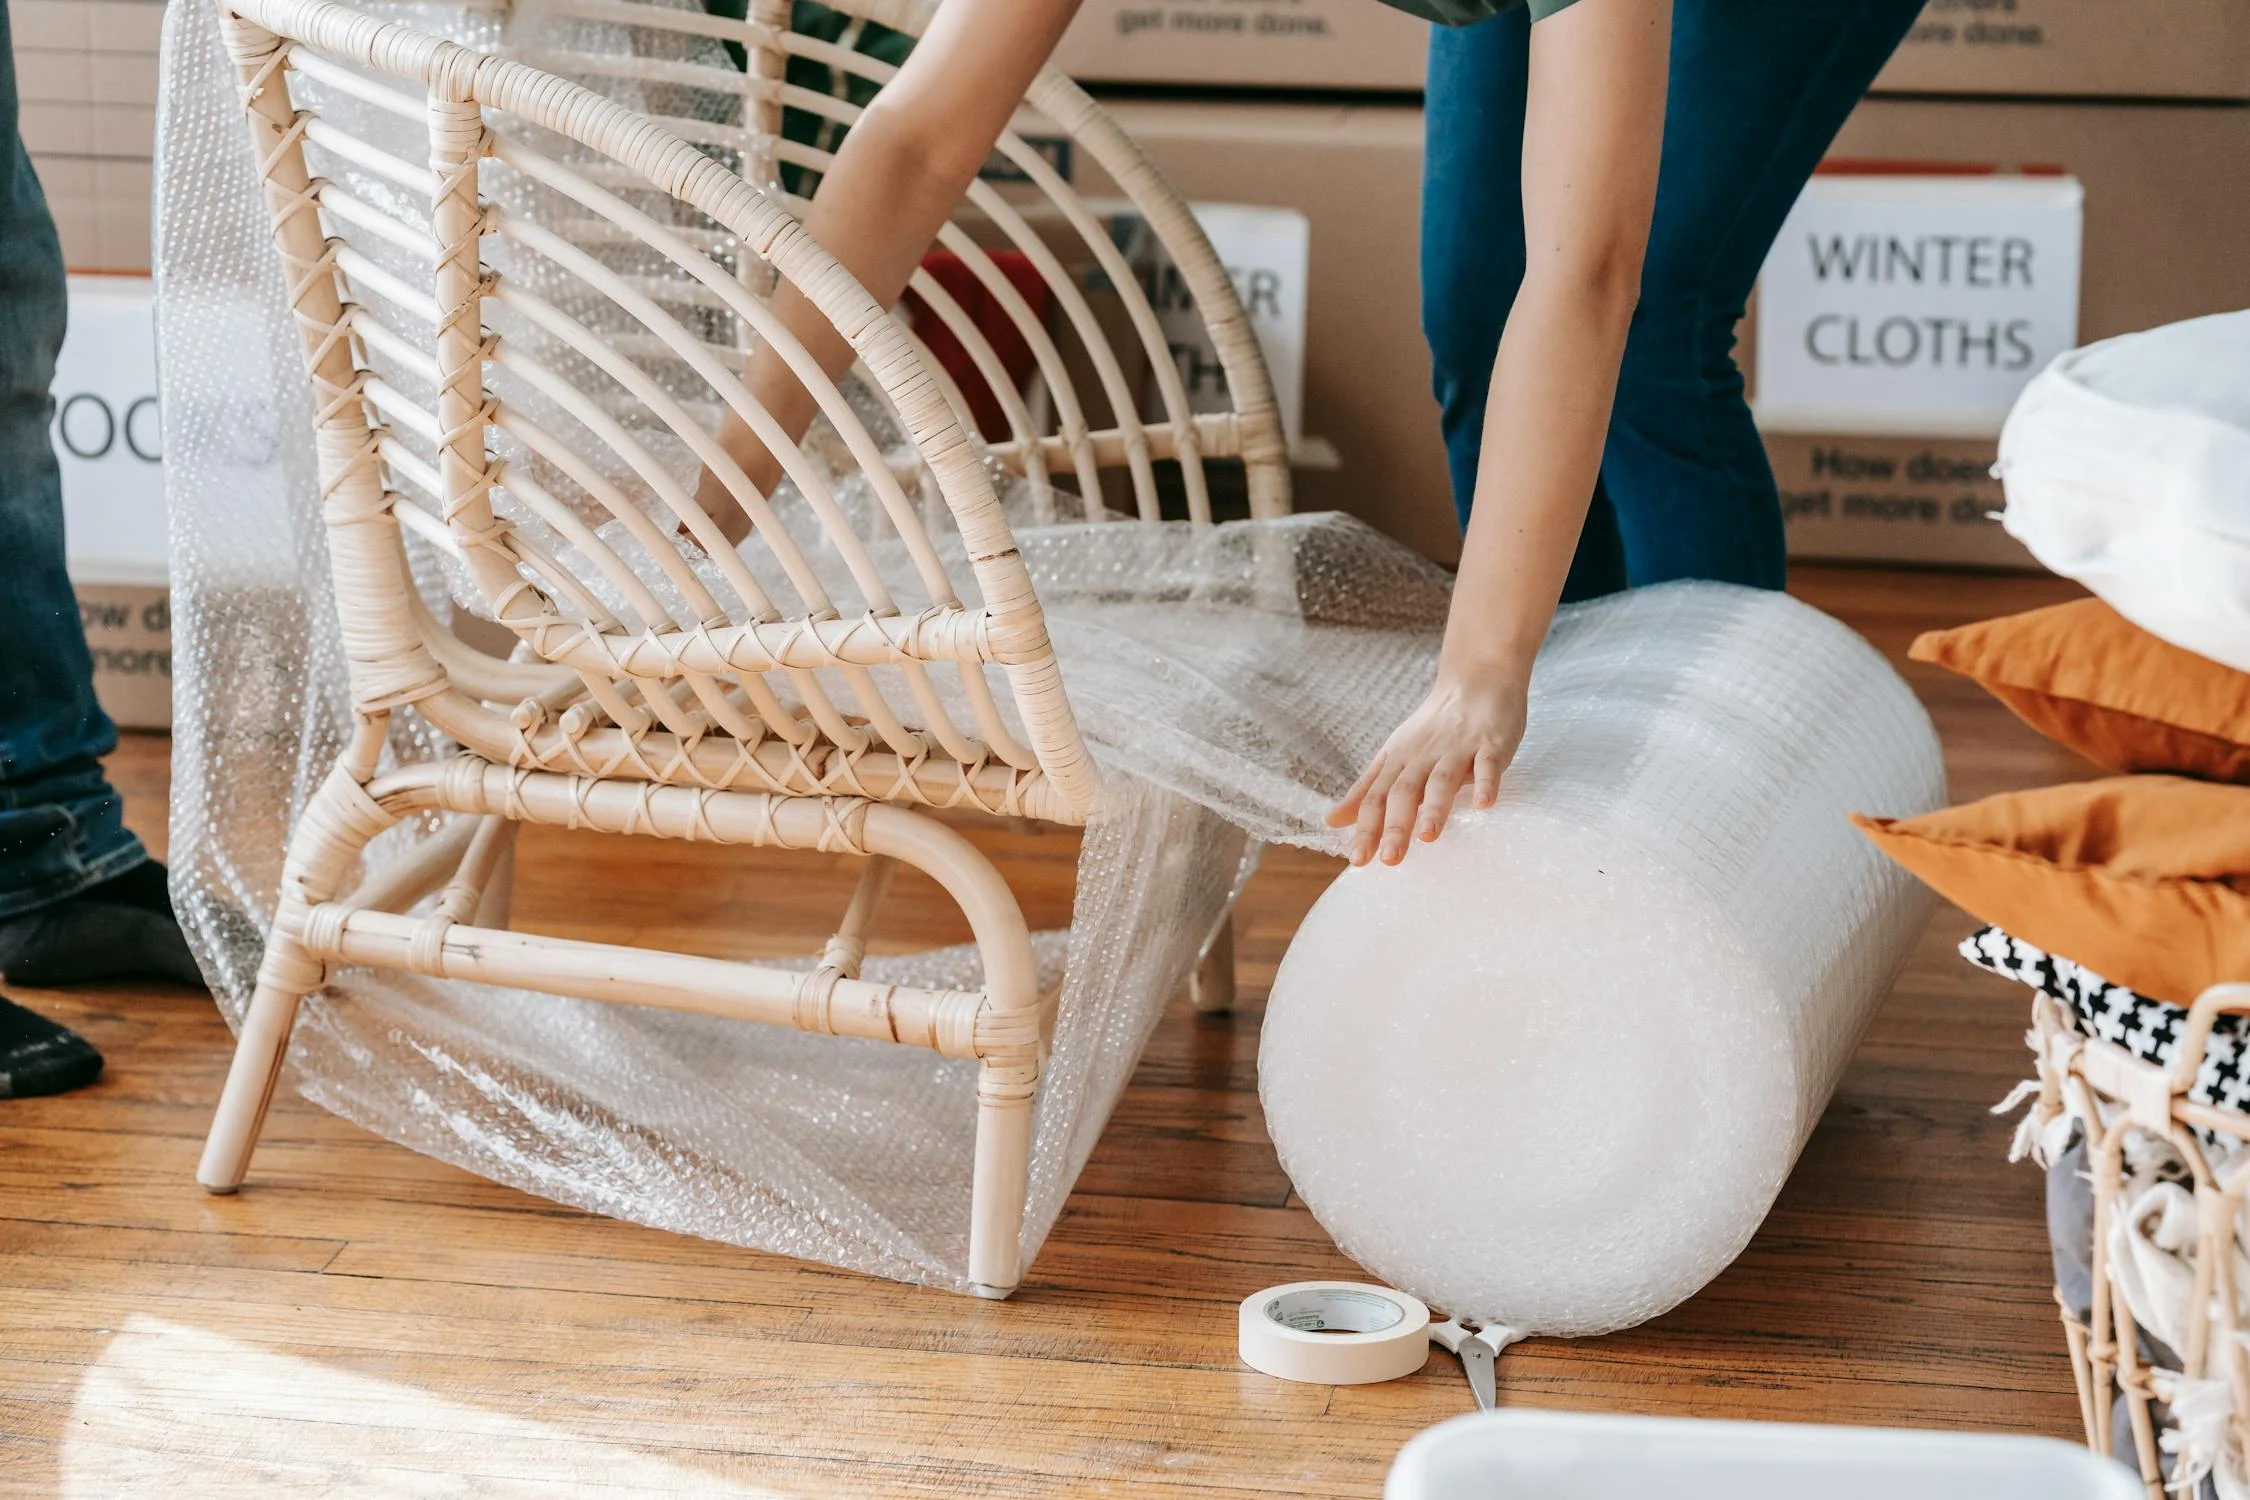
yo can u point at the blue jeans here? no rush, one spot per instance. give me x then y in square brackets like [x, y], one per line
[62, 828]
[1758, 90]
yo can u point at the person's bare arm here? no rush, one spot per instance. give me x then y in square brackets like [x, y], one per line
[1593, 131]
[898, 177]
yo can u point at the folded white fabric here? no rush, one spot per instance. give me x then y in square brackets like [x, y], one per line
[2127, 466]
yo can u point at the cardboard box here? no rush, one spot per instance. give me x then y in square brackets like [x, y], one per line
[109, 445]
[105, 26]
[2148, 49]
[87, 71]
[2162, 241]
[102, 210]
[1916, 304]
[2136, 49]
[1893, 499]
[1264, 251]
[2167, 209]
[129, 633]
[86, 75]
[1291, 44]
[1355, 172]
[108, 441]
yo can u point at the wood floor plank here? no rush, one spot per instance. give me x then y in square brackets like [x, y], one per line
[711, 1381]
[62, 1241]
[362, 1320]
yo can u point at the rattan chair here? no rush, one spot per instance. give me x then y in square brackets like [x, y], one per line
[468, 402]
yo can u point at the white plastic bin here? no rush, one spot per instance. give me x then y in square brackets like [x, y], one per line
[1529, 1455]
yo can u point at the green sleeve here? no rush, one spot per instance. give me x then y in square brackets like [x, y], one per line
[1542, 9]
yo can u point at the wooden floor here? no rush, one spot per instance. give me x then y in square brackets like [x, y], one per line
[364, 1321]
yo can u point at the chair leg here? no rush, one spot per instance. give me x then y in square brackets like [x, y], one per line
[1006, 1087]
[1009, 1024]
[498, 902]
[1211, 986]
[335, 826]
[251, 1079]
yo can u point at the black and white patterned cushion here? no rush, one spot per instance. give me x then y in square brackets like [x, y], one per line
[2149, 1029]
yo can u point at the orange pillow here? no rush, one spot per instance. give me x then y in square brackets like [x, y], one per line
[2086, 677]
[2143, 879]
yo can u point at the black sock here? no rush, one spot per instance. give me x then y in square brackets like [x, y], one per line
[120, 929]
[38, 1057]
[146, 886]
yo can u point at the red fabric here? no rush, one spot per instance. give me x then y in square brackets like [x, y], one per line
[991, 319]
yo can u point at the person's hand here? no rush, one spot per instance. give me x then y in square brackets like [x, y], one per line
[1464, 733]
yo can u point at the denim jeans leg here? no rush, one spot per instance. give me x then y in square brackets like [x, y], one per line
[1759, 89]
[1473, 255]
[61, 825]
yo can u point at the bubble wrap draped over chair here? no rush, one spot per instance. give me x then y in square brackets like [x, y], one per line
[1229, 680]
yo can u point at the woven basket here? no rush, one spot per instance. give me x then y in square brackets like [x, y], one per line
[2165, 1247]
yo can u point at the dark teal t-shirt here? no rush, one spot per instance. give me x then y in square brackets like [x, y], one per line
[1469, 12]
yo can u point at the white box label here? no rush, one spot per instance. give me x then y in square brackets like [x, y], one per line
[107, 436]
[1267, 252]
[1916, 305]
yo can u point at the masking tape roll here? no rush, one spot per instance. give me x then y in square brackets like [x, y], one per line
[1334, 1332]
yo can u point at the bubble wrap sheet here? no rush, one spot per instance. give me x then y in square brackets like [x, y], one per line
[1231, 682]
[1551, 1072]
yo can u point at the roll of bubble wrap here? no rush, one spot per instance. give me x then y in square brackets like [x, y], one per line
[1552, 1070]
